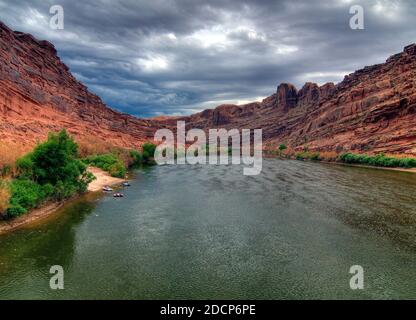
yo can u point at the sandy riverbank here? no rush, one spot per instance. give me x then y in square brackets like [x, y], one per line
[102, 179]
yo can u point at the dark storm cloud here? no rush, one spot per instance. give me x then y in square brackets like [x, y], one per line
[177, 57]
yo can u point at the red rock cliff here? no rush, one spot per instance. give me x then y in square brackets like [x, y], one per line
[371, 110]
[38, 94]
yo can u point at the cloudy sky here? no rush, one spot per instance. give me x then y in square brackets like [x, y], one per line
[159, 57]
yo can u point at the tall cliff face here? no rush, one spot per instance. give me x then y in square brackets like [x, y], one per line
[287, 97]
[371, 110]
[39, 94]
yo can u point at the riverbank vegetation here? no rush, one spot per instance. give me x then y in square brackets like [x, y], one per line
[148, 151]
[4, 196]
[306, 155]
[54, 171]
[377, 160]
[108, 162]
[117, 163]
[51, 172]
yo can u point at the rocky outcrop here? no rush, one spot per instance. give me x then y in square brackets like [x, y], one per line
[287, 97]
[371, 110]
[327, 90]
[309, 95]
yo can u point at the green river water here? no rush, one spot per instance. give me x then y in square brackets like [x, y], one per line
[209, 232]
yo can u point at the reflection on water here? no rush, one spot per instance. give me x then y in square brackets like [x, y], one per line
[210, 232]
[37, 249]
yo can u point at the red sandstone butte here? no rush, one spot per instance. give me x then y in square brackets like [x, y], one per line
[371, 110]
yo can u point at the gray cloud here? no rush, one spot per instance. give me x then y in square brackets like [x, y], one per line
[177, 57]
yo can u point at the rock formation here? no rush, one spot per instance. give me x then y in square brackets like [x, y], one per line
[38, 94]
[371, 110]
[287, 97]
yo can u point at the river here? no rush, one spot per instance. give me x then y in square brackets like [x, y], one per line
[209, 232]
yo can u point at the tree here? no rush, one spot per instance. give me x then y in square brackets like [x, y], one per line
[51, 171]
[148, 152]
[137, 158]
[56, 160]
[282, 147]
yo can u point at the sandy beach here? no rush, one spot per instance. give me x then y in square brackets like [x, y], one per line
[102, 179]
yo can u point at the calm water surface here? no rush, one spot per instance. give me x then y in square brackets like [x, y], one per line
[209, 232]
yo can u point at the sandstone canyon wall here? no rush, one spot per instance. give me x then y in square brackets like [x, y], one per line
[371, 110]
[38, 94]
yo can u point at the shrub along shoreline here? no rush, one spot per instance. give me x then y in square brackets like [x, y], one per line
[379, 160]
[53, 172]
[114, 165]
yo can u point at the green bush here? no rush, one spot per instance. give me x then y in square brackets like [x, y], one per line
[53, 161]
[26, 194]
[24, 166]
[379, 160]
[148, 152]
[111, 163]
[137, 158]
[51, 172]
[118, 170]
[306, 155]
[108, 162]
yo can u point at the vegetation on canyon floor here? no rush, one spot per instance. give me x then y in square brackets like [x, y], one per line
[377, 160]
[114, 165]
[54, 171]
[306, 155]
[108, 162]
